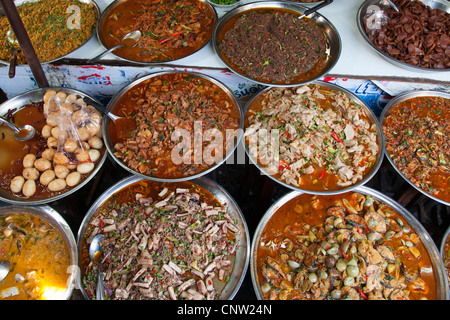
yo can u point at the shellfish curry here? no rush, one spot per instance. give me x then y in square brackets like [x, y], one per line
[348, 246]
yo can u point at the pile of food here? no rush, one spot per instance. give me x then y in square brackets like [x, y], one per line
[417, 135]
[274, 46]
[70, 144]
[53, 28]
[417, 35]
[173, 115]
[170, 29]
[340, 247]
[39, 258]
[162, 242]
[326, 141]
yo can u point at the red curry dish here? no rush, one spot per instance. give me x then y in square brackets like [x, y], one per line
[342, 247]
[164, 106]
[417, 135]
[170, 29]
[326, 141]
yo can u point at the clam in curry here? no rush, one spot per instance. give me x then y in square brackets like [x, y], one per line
[342, 247]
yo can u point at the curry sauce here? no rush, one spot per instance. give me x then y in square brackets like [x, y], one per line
[39, 258]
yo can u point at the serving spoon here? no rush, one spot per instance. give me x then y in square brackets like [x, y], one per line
[5, 266]
[393, 5]
[23, 133]
[95, 253]
[100, 107]
[315, 8]
[129, 40]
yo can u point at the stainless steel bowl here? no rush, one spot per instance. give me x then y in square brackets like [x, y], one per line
[105, 14]
[370, 114]
[445, 255]
[308, 4]
[57, 221]
[334, 40]
[16, 103]
[242, 253]
[118, 96]
[97, 12]
[442, 290]
[381, 5]
[391, 104]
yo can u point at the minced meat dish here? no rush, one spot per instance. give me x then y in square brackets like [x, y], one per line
[275, 46]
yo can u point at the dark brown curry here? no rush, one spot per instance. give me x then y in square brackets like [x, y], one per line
[272, 45]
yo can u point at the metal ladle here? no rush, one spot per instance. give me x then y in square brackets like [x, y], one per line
[5, 266]
[13, 44]
[23, 133]
[315, 8]
[100, 107]
[95, 254]
[135, 36]
[393, 5]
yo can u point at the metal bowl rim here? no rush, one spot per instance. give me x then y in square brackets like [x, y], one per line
[392, 60]
[58, 222]
[389, 106]
[115, 3]
[97, 12]
[371, 115]
[203, 182]
[427, 241]
[293, 6]
[28, 95]
[443, 241]
[124, 90]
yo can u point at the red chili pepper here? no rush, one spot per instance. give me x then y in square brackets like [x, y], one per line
[284, 165]
[171, 36]
[163, 40]
[322, 174]
[102, 224]
[336, 137]
[362, 294]
[346, 256]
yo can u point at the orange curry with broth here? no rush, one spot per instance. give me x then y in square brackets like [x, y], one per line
[170, 29]
[39, 258]
[417, 135]
[348, 246]
[179, 114]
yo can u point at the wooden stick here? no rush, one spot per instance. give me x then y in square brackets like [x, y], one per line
[25, 44]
